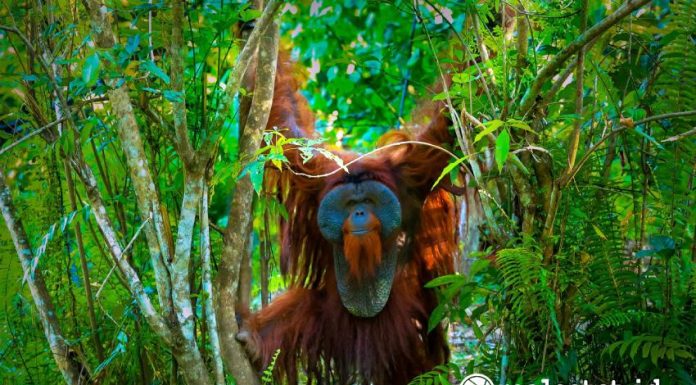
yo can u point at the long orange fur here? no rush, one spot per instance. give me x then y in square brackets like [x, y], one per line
[308, 323]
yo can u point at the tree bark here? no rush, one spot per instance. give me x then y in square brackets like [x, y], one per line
[235, 235]
[207, 289]
[73, 371]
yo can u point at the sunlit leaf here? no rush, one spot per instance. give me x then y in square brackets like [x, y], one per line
[90, 70]
[153, 69]
[502, 149]
[490, 127]
[450, 167]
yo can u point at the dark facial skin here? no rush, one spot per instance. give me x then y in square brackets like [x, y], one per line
[358, 219]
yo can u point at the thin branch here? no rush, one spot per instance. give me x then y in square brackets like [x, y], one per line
[680, 136]
[31, 134]
[627, 125]
[67, 363]
[579, 83]
[207, 289]
[243, 62]
[375, 151]
[135, 285]
[183, 144]
[124, 251]
[83, 264]
[465, 46]
[560, 81]
[552, 68]
[669, 115]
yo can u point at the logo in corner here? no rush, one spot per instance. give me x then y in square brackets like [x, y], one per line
[476, 379]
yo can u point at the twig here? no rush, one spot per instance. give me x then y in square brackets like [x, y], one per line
[390, 145]
[680, 136]
[31, 134]
[124, 251]
[531, 148]
[579, 80]
[596, 30]
[665, 116]
[243, 62]
[594, 148]
[484, 83]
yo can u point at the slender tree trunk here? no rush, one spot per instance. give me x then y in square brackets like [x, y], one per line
[87, 283]
[235, 236]
[207, 290]
[73, 371]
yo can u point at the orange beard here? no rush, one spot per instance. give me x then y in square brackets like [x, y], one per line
[363, 252]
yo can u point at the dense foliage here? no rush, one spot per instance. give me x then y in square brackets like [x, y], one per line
[579, 246]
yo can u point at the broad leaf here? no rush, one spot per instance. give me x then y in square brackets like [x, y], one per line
[502, 149]
[90, 70]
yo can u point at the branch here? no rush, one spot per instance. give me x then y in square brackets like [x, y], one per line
[156, 232]
[207, 289]
[135, 286]
[243, 61]
[669, 115]
[180, 270]
[183, 144]
[557, 62]
[375, 151]
[626, 125]
[31, 134]
[72, 370]
[484, 83]
[83, 264]
[123, 252]
[579, 80]
[235, 233]
[680, 136]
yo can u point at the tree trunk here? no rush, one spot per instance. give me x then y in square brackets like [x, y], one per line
[73, 371]
[235, 235]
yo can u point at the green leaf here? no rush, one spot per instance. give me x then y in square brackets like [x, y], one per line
[255, 171]
[90, 70]
[502, 149]
[440, 96]
[132, 44]
[654, 353]
[448, 169]
[599, 232]
[152, 68]
[173, 96]
[634, 348]
[521, 125]
[491, 126]
[437, 316]
[478, 266]
[477, 330]
[463, 78]
[444, 280]
[249, 14]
